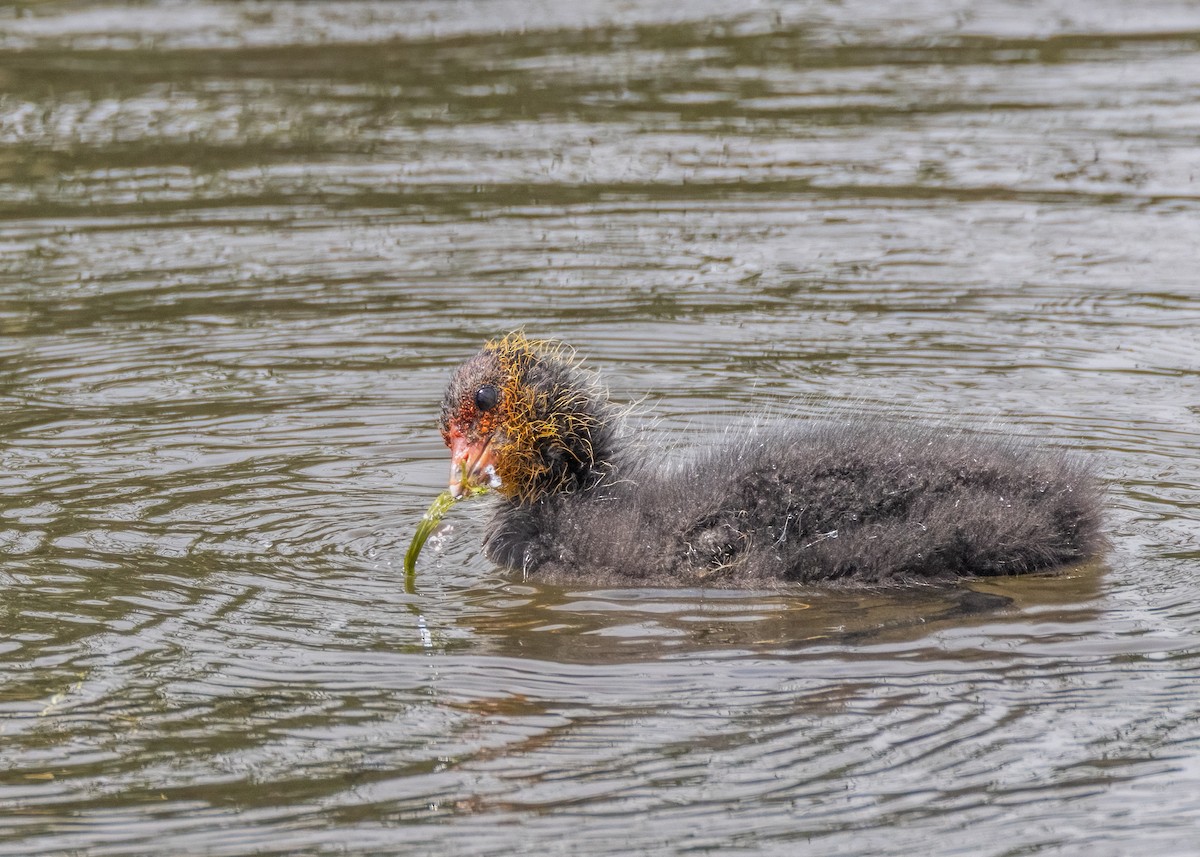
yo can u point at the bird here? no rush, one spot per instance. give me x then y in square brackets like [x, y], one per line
[867, 501]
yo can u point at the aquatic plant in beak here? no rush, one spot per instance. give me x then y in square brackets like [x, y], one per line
[429, 522]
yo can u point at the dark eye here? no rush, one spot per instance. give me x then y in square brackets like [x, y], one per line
[486, 398]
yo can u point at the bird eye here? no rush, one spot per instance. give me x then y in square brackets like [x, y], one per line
[486, 398]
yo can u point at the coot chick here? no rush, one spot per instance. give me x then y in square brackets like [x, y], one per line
[868, 503]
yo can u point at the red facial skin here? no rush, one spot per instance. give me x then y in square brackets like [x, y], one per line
[472, 456]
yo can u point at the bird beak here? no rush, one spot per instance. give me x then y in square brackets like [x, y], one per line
[472, 465]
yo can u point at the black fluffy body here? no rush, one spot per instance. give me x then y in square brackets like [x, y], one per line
[874, 503]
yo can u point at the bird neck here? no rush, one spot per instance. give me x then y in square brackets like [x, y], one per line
[562, 431]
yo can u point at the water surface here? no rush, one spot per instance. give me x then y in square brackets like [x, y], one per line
[242, 246]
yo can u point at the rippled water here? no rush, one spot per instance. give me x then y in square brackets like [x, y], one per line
[243, 245]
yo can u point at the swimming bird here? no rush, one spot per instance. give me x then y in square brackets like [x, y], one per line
[847, 501]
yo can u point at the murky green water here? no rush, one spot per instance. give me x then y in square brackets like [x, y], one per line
[243, 245]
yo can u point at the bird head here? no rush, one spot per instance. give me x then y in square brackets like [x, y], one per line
[522, 418]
